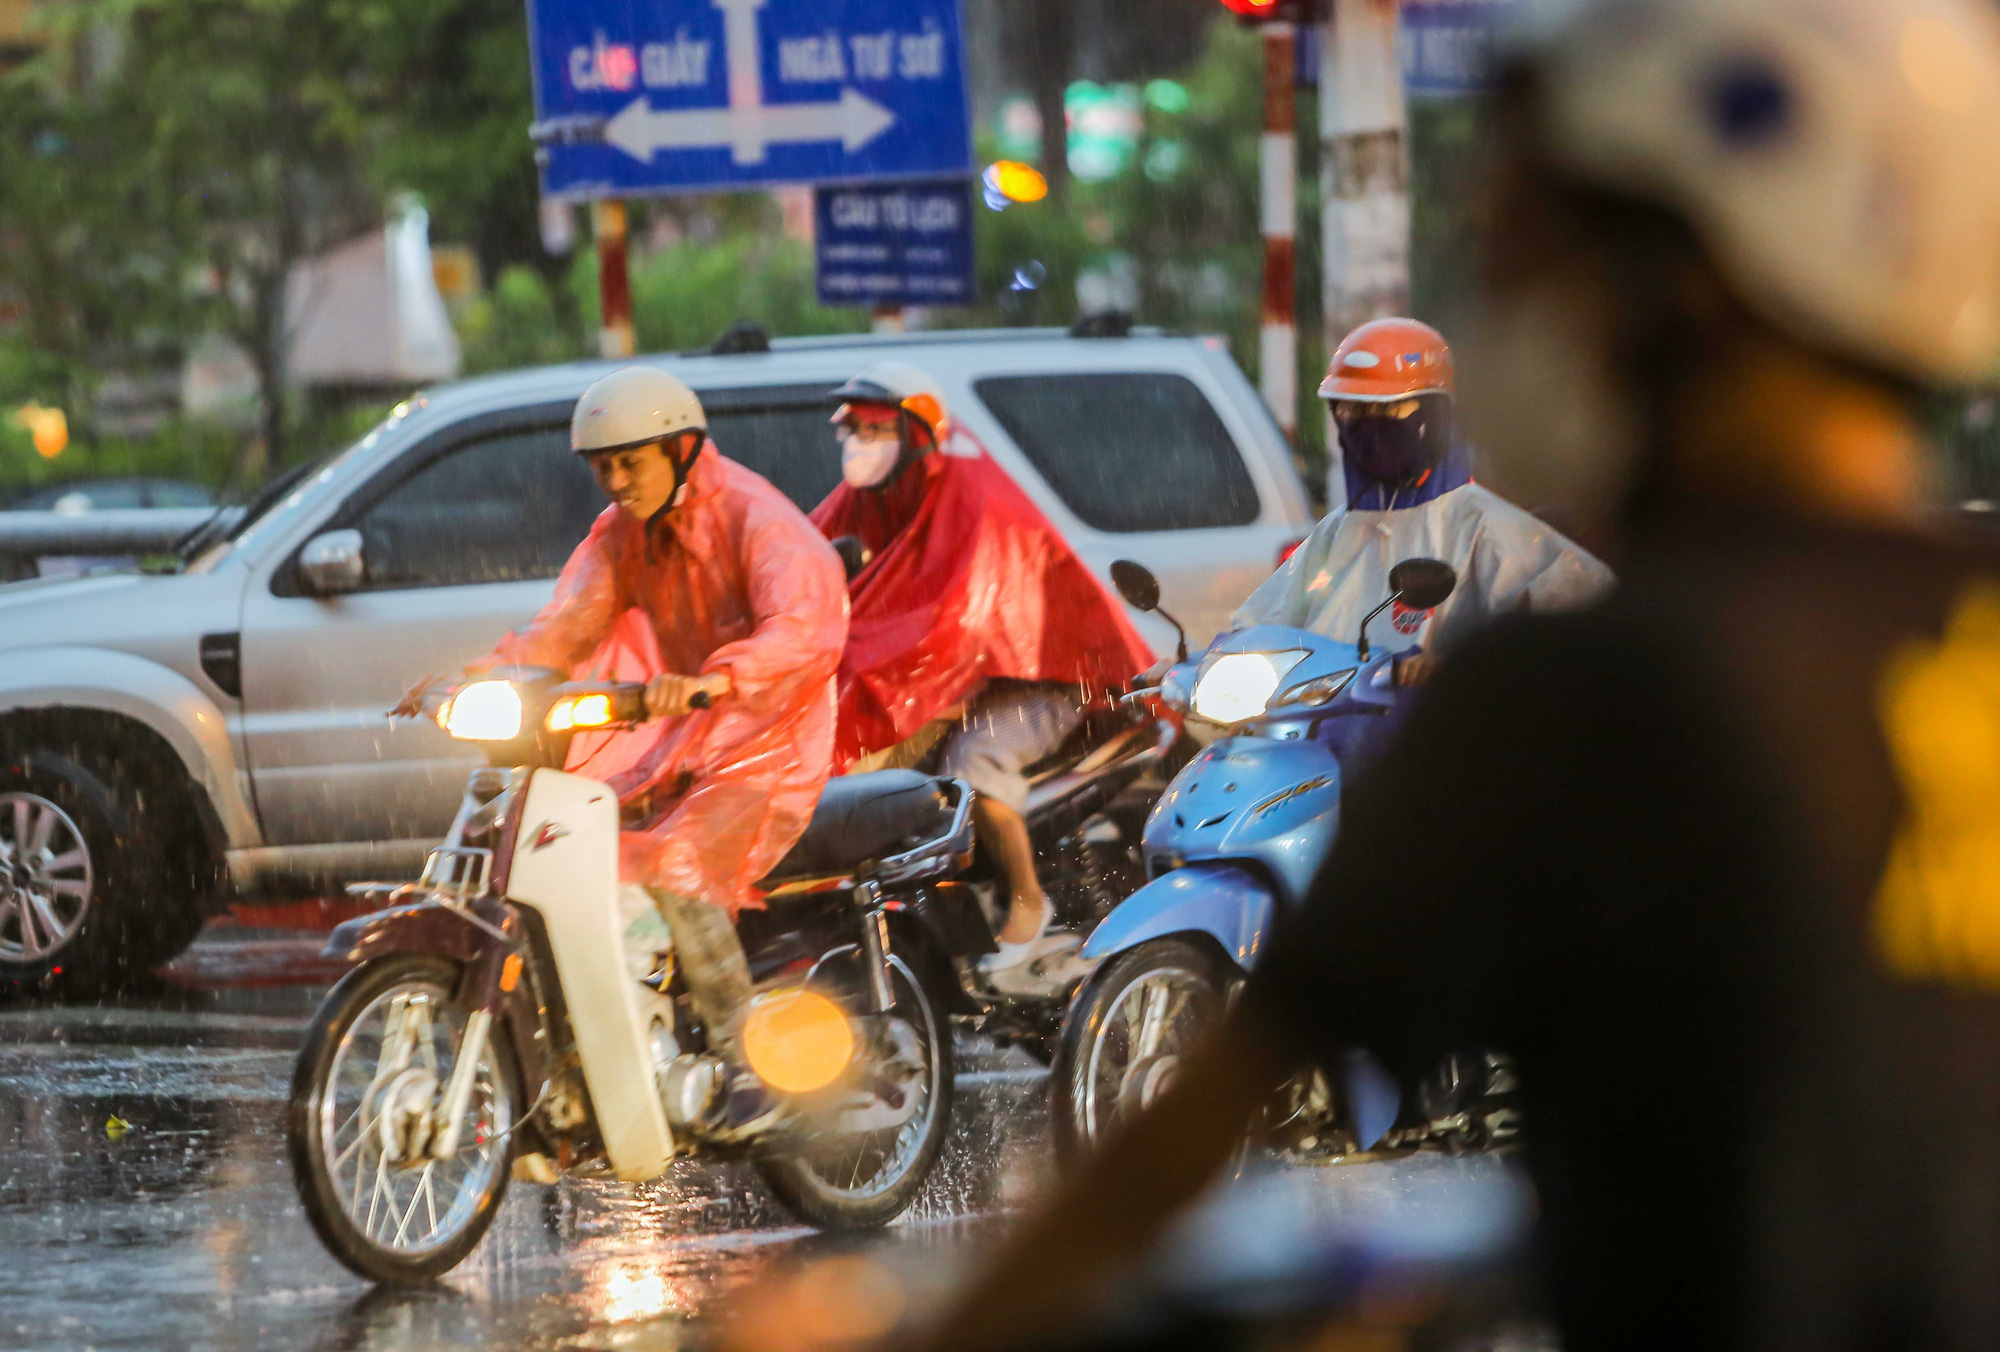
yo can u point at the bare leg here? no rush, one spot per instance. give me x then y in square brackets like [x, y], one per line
[1004, 832]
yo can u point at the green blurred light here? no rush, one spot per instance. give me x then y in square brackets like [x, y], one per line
[1168, 96]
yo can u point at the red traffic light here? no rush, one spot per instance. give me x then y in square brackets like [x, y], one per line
[1273, 11]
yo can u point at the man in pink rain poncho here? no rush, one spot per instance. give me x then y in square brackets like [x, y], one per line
[705, 579]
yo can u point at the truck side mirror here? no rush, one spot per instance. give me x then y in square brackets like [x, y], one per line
[331, 564]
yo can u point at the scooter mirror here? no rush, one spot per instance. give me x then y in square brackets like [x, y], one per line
[1136, 583]
[1422, 584]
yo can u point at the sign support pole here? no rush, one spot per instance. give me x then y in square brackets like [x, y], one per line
[1364, 167]
[614, 284]
[1278, 162]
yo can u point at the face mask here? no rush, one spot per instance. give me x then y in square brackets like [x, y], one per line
[1395, 450]
[866, 462]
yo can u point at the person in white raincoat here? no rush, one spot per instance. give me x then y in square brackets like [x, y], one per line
[1410, 495]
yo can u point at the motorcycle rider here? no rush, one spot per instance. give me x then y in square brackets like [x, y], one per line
[712, 582]
[972, 621]
[1736, 826]
[1410, 494]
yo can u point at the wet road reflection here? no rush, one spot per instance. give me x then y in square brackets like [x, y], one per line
[145, 1202]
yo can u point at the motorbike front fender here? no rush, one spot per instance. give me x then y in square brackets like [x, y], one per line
[1230, 904]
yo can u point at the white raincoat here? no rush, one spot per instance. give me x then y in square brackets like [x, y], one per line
[1506, 560]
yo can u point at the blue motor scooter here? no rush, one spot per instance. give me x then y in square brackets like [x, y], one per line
[1233, 843]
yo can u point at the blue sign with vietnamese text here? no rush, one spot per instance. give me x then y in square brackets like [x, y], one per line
[1447, 45]
[894, 244]
[638, 97]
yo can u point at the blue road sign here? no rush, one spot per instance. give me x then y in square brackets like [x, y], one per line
[894, 244]
[638, 97]
[1447, 44]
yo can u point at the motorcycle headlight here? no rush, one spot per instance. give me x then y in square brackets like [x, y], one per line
[485, 711]
[1239, 686]
[1322, 691]
[579, 711]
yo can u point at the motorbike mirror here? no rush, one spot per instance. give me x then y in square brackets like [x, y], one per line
[1136, 583]
[854, 556]
[1422, 584]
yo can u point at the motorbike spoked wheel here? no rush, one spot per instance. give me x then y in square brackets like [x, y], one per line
[1123, 1040]
[864, 1181]
[374, 1066]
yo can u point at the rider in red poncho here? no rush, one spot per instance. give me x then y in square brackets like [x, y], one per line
[971, 607]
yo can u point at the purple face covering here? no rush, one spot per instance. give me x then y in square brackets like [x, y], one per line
[1400, 462]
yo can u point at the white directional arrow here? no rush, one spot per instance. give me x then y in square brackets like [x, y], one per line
[748, 126]
[640, 129]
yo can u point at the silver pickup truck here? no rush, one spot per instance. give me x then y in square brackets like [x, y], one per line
[167, 740]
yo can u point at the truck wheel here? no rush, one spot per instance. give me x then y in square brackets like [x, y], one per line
[84, 896]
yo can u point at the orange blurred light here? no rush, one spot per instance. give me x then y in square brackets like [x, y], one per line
[797, 1040]
[1017, 182]
[48, 428]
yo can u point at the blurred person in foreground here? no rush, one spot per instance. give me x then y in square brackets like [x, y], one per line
[1718, 861]
[1391, 390]
[974, 623]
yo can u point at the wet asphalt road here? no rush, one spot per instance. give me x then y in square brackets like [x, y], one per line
[145, 1199]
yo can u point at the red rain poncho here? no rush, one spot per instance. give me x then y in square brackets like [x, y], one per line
[734, 580]
[969, 582]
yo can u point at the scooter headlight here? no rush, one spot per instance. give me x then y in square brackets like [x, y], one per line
[485, 711]
[580, 711]
[1325, 690]
[1238, 686]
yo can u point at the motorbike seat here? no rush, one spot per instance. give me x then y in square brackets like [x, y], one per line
[862, 818]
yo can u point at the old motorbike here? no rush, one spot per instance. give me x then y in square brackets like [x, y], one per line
[1233, 843]
[491, 1026]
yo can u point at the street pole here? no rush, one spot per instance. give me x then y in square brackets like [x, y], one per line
[1364, 177]
[614, 283]
[1364, 167]
[1278, 157]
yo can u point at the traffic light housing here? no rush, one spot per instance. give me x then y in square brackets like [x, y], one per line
[1275, 11]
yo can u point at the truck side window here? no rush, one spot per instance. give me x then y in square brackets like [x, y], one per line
[1127, 451]
[505, 508]
[783, 432]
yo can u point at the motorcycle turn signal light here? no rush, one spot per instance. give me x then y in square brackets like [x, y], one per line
[580, 711]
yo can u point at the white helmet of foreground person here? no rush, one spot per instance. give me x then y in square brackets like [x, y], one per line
[637, 406]
[1839, 159]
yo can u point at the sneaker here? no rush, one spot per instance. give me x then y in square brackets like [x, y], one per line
[1035, 967]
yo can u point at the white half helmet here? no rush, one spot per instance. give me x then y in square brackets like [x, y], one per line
[632, 407]
[1840, 159]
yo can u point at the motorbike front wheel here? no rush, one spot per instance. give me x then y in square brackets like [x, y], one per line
[866, 1180]
[1123, 1040]
[368, 1085]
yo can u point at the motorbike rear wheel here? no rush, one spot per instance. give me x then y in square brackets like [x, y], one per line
[1123, 1040]
[375, 1062]
[863, 1182]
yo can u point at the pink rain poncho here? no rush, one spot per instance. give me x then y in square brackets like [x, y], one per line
[735, 579]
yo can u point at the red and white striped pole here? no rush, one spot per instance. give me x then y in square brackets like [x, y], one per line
[1278, 162]
[614, 284]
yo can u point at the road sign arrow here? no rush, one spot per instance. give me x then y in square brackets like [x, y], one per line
[639, 129]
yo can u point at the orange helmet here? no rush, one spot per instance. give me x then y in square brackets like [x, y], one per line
[1388, 359]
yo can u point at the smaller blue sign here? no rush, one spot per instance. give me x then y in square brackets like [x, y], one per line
[894, 243]
[1447, 45]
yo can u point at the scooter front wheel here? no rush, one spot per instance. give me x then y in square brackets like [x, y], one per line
[1123, 1041]
[364, 1127]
